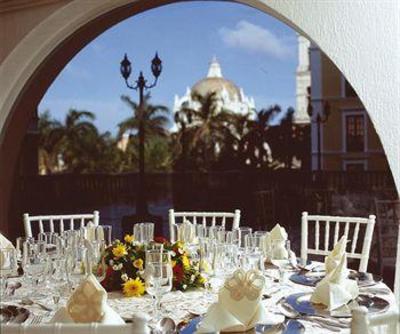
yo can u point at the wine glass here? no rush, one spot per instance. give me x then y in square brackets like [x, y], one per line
[206, 263]
[35, 264]
[75, 265]
[158, 277]
[143, 232]
[8, 265]
[253, 258]
[104, 233]
[95, 259]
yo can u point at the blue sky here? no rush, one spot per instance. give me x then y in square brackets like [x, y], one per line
[256, 51]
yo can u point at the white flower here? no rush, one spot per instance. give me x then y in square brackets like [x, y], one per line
[192, 278]
[111, 262]
[184, 286]
[115, 267]
[120, 266]
[141, 273]
[180, 251]
[173, 254]
[124, 277]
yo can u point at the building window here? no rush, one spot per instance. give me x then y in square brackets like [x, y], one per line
[348, 89]
[355, 133]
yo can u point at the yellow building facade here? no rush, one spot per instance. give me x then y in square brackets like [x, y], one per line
[348, 140]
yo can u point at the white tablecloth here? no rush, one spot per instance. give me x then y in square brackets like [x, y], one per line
[182, 306]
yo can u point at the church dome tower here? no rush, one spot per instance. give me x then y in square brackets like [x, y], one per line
[231, 96]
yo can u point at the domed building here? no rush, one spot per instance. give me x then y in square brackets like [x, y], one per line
[230, 96]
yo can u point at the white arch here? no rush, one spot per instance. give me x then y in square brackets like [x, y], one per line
[360, 36]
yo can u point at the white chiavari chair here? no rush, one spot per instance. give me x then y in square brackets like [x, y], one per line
[362, 323]
[324, 240]
[60, 223]
[204, 218]
[59, 328]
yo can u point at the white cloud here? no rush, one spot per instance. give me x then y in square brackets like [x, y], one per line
[256, 39]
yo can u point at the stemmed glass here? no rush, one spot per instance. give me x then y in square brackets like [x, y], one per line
[143, 232]
[35, 263]
[104, 233]
[158, 277]
[252, 258]
[206, 263]
[95, 259]
[8, 265]
[75, 265]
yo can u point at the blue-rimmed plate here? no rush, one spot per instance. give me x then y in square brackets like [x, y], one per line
[289, 327]
[313, 278]
[301, 303]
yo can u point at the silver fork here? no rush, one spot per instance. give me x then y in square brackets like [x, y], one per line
[36, 320]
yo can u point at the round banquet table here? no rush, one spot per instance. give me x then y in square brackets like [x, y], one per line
[184, 306]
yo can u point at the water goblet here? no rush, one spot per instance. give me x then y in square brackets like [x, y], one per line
[8, 266]
[36, 264]
[158, 277]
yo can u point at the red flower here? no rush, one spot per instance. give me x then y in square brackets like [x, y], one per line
[178, 273]
[160, 240]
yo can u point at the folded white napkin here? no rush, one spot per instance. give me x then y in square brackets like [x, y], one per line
[278, 233]
[239, 306]
[336, 289]
[278, 236]
[88, 304]
[7, 244]
[335, 256]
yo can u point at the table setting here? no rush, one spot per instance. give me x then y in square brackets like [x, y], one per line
[205, 280]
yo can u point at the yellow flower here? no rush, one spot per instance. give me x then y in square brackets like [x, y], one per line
[119, 251]
[138, 264]
[129, 238]
[201, 280]
[133, 287]
[185, 261]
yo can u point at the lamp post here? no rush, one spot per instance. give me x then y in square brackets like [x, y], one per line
[318, 118]
[141, 85]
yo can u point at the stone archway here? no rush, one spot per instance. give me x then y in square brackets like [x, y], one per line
[347, 31]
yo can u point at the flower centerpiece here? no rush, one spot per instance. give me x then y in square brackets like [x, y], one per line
[125, 261]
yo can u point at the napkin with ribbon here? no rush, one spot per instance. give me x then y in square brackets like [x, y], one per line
[239, 306]
[4, 244]
[336, 289]
[335, 256]
[88, 304]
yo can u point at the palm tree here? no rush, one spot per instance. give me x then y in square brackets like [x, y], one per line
[50, 136]
[79, 139]
[147, 121]
[260, 139]
[209, 123]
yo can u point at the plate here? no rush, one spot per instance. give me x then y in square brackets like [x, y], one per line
[13, 314]
[312, 278]
[302, 304]
[291, 326]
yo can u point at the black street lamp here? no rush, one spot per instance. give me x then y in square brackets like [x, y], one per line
[141, 85]
[319, 118]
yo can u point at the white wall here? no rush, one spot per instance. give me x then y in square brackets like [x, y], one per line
[360, 36]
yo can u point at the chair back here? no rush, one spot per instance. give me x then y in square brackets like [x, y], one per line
[362, 323]
[203, 218]
[319, 234]
[388, 222]
[58, 223]
[59, 328]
